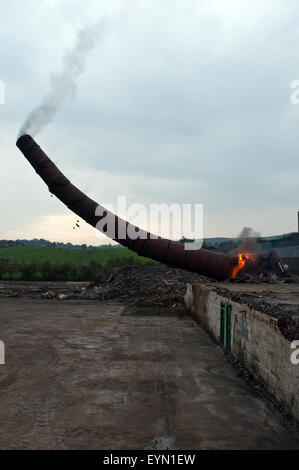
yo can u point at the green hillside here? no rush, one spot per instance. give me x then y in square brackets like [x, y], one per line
[24, 255]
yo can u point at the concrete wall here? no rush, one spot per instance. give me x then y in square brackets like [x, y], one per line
[255, 340]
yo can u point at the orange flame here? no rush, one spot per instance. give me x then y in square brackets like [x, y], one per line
[242, 258]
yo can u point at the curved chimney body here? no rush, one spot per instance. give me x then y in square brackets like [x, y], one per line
[207, 263]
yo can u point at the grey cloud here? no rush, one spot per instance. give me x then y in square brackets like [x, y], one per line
[184, 101]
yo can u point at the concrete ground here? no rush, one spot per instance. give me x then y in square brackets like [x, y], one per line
[87, 375]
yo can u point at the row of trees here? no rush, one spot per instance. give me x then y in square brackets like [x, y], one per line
[47, 271]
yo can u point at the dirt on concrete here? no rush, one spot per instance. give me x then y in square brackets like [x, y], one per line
[92, 375]
[147, 286]
[161, 286]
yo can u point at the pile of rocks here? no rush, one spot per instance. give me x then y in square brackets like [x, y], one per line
[147, 286]
[287, 315]
[143, 286]
[267, 277]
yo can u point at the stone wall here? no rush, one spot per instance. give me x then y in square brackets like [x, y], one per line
[255, 340]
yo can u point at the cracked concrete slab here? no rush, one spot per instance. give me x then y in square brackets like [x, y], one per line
[81, 375]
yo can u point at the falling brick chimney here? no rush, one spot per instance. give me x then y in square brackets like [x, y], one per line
[206, 262]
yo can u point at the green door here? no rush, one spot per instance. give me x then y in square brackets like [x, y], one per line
[222, 322]
[225, 324]
[228, 325]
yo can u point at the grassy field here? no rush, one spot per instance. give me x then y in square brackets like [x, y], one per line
[24, 255]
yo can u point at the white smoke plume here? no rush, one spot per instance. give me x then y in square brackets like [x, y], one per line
[63, 84]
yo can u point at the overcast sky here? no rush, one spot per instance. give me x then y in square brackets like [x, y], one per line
[182, 101]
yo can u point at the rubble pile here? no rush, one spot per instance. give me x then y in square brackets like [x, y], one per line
[143, 286]
[41, 290]
[265, 277]
[147, 286]
[287, 314]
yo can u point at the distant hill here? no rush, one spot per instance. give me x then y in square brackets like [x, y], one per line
[226, 244]
[41, 242]
[218, 240]
[212, 243]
